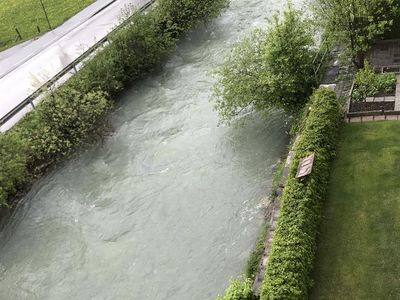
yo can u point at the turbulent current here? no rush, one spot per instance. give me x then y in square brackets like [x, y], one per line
[168, 206]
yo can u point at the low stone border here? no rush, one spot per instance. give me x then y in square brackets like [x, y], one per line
[382, 117]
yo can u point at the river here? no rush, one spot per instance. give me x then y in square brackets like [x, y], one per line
[168, 206]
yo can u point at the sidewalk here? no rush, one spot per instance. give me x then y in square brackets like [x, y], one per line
[26, 67]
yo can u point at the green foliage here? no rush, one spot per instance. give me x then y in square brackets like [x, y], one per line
[238, 290]
[368, 84]
[176, 17]
[64, 120]
[76, 110]
[293, 249]
[256, 255]
[271, 69]
[134, 51]
[357, 23]
[13, 161]
[387, 82]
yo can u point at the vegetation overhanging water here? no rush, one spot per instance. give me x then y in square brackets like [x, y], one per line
[167, 208]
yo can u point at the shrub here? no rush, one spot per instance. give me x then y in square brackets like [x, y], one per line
[134, 51]
[177, 16]
[293, 249]
[61, 122]
[387, 82]
[238, 290]
[13, 161]
[271, 69]
[368, 84]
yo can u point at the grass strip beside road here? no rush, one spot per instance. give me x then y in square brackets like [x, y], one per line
[26, 15]
[359, 248]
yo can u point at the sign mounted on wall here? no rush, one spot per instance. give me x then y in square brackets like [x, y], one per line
[305, 166]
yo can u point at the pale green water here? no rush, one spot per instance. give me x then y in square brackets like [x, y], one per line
[168, 207]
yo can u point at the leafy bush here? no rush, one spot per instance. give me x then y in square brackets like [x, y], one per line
[271, 69]
[176, 17]
[387, 82]
[13, 161]
[62, 122]
[368, 84]
[238, 290]
[293, 249]
[134, 51]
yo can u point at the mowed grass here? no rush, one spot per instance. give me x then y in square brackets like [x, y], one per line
[26, 15]
[359, 247]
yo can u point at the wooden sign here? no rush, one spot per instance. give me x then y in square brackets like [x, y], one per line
[305, 166]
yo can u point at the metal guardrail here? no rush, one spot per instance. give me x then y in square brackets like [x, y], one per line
[323, 49]
[72, 66]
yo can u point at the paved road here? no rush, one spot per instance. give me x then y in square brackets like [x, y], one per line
[26, 67]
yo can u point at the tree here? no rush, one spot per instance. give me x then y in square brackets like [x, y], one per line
[356, 23]
[271, 69]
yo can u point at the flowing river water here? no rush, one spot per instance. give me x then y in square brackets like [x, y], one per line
[168, 206]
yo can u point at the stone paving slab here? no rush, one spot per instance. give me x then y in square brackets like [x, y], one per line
[368, 119]
[355, 120]
[380, 118]
[392, 118]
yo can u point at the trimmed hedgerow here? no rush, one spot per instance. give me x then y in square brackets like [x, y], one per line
[65, 118]
[293, 249]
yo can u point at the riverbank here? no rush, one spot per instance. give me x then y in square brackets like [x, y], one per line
[290, 261]
[67, 116]
[169, 199]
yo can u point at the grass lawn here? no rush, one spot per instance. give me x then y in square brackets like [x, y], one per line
[359, 247]
[27, 14]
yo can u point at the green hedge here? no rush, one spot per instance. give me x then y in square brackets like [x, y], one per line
[293, 249]
[66, 118]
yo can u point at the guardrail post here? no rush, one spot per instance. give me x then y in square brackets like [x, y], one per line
[31, 102]
[18, 33]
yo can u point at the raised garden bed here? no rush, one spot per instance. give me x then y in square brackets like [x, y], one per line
[371, 106]
[369, 84]
[369, 87]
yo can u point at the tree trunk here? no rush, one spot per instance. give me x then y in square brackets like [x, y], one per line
[358, 60]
